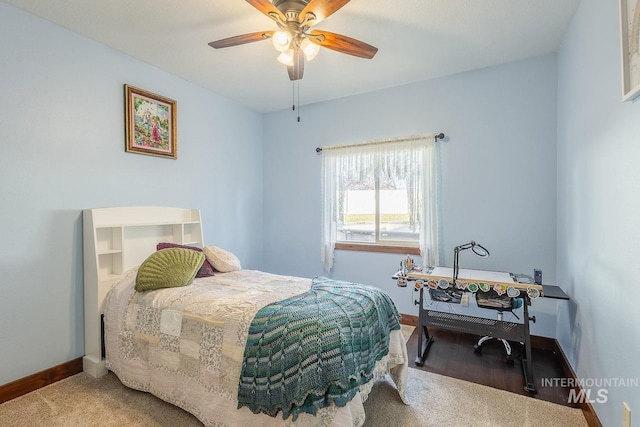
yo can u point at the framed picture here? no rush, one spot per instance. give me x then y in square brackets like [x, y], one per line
[150, 123]
[630, 42]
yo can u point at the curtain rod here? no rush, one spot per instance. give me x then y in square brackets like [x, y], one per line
[437, 137]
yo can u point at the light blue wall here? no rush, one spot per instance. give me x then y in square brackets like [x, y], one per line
[62, 150]
[498, 173]
[599, 208]
[516, 134]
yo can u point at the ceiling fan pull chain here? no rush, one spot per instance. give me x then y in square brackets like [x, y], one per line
[298, 82]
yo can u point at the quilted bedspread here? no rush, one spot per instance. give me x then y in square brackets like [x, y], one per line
[186, 346]
[316, 348]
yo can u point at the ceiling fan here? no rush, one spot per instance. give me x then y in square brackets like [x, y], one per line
[295, 39]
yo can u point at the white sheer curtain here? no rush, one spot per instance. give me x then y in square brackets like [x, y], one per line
[413, 158]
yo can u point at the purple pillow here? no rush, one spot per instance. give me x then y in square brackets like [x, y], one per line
[205, 271]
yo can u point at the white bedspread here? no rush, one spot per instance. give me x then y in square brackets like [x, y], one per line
[185, 345]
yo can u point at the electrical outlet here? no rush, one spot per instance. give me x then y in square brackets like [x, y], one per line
[626, 415]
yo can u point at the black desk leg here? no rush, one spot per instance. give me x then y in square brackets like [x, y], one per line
[422, 349]
[527, 363]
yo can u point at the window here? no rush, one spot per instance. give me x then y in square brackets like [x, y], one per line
[373, 207]
[380, 195]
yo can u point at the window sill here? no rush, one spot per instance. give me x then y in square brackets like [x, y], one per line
[391, 249]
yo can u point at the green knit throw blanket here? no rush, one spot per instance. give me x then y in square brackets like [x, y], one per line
[314, 349]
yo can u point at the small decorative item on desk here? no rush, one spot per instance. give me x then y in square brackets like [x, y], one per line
[537, 276]
[402, 281]
[409, 263]
[406, 266]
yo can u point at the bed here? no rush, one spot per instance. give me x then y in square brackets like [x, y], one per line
[243, 347]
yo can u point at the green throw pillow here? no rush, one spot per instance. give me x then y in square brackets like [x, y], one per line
[168, 268]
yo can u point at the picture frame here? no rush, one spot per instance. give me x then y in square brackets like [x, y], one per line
[630, 46]
[150, 123]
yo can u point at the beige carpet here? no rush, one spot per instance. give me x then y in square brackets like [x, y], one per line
[436, 401]
[442, 401]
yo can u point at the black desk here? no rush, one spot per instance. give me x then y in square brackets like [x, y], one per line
[553, 291]
[511, 331]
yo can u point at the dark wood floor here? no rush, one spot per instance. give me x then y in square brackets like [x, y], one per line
[452, 354]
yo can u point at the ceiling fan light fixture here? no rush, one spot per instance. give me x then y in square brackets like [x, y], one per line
[286, 57]
[281, 40]
[310, 49]
[294, 39]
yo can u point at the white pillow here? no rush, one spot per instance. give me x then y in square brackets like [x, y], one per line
[221, 260]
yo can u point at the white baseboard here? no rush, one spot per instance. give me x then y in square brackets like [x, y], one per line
[94, 367]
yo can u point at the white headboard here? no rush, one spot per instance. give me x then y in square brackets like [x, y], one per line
[115, 240]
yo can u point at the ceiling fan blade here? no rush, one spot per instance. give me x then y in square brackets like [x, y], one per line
[268, 9]
[241, 39]
[343, 44]
[297, 69]
[321, 9]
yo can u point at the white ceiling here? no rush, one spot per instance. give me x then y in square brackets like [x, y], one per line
[417, 40]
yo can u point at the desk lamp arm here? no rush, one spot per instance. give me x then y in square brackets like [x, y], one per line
[477, 249]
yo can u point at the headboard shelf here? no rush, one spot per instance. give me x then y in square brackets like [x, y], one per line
[116, 240]
[109, 251]
[139, 224]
